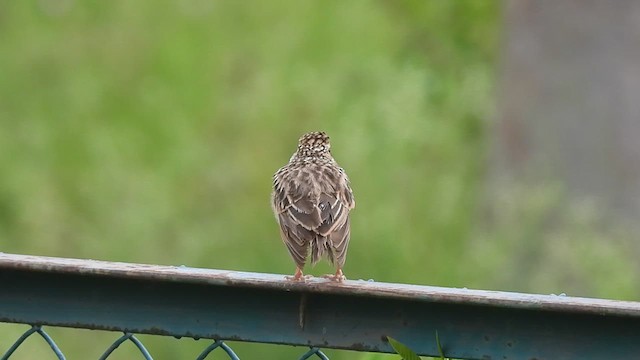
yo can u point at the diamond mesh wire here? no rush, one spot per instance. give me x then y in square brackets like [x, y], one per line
[219, 344]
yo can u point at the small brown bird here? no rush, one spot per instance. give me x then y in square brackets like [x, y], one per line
[311, 200]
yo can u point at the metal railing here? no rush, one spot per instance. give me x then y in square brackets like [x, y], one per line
[356, 315]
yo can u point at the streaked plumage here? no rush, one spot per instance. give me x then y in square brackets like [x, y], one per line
[311, 200]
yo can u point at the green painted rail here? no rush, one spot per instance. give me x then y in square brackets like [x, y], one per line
[357, 315]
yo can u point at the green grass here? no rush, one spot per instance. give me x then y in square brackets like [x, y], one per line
[148, 132]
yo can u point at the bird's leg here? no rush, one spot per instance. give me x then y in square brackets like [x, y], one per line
[338, 276]
[298, 276]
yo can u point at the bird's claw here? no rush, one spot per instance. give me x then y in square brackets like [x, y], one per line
[337, 277]
[299, 278]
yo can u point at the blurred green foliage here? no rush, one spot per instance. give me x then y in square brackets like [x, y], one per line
[148, 131]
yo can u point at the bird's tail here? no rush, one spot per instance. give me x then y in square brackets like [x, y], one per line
[319, 246]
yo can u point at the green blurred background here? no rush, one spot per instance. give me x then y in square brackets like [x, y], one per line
[148, 132]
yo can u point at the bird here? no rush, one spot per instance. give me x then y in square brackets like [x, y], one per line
[311, 200]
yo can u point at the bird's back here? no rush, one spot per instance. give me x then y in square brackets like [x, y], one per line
[312, 201]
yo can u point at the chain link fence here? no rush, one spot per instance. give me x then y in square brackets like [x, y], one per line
[144, 353]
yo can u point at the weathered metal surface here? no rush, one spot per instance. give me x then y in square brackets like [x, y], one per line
[357, 315]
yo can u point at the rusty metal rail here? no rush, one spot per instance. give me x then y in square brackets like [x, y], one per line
[357, 315]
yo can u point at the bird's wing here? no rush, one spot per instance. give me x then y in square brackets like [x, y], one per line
[292, 233]
[338, 202]
[295, 237]
[299, 200]
[335, 203]
[339, 239]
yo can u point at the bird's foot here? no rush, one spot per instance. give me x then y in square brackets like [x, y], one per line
[337, 277]
[299, 276]
[302, 278]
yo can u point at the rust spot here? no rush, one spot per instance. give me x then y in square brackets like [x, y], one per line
[193, 336]
[235, 338]
[157, 331]
[360, 347]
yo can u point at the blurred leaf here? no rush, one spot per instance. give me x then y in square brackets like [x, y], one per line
[439, 346]
[402, 350]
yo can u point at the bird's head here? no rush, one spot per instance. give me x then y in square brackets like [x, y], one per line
[313, 144]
